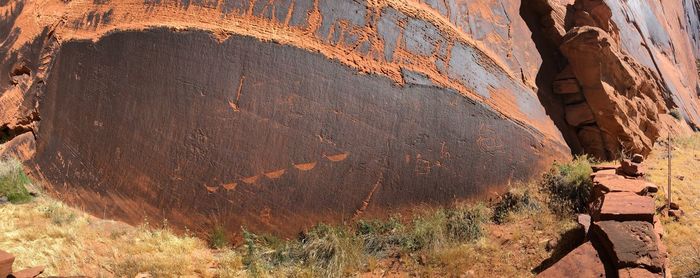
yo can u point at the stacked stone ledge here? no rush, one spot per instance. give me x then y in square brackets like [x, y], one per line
[6, 261]
[622, 235]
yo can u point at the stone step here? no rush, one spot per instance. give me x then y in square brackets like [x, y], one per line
[629, 244]
[604, 183]
[583, 261]
[623, 206]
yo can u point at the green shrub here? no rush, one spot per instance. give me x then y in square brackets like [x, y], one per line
[569, 186]
[59, 213]
[379, 237]
[465, 224]
[515, 200]
[427, 231]
[250, 257]
[675, 113]
[13, 182]
[217, 237]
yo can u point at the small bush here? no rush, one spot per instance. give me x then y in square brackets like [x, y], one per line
[13, 182]
[251, 257]
[465, 224]
[380, 237]
[428, 231]
[59, 214]
[675, 113]
[217, 238]
[515, 200]
[330, 250]
[569, 186]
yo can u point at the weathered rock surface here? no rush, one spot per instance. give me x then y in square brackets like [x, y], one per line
[583, 261]
[275, 115]
[624, 206]
[29, 272]
[272, 115]
[623, 59]
[6, 261]
[637, 273]
[615, 183]
[631, 169]
[630, 244]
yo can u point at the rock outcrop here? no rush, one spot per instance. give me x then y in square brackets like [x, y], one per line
[620, 61]
[275, 115]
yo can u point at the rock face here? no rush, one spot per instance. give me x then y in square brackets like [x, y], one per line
[272, 115]
[619, 59]
[275, 115]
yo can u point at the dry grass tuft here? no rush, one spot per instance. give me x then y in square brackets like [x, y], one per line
[69, 242]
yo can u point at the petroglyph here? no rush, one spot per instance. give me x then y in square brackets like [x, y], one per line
[305, 166]
[338, 157]
[250, 180]
[234, 104]
[275, 174]
[366, 201]
[369, 36]
[230, 186]
[488, 140]
[211, 189]
[279, 173]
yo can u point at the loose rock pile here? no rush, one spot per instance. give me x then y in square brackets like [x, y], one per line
[6, 261]
[622, 232]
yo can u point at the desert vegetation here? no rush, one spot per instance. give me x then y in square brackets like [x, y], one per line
[13, 183]
[681, 236]
[510, 236]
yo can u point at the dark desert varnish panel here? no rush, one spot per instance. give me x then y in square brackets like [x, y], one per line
[174, 124]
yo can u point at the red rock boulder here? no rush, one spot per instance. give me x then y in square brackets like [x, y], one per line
[629, 244]
[583, 261]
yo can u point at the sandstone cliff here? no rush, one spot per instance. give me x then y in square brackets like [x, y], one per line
[278, 114]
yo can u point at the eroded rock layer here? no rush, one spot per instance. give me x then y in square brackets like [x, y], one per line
[622, 66]
[275, 115]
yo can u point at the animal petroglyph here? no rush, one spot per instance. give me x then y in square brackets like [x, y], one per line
[276, 174]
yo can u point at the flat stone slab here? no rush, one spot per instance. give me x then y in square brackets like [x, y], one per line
[615, 183]
[626, 206]
[604, 173]
[605, 166]
[29, 272]
[583, 261]
[629, 244]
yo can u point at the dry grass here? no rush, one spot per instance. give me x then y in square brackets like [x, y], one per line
[70, 242]
[459, 240]
[682, 237]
